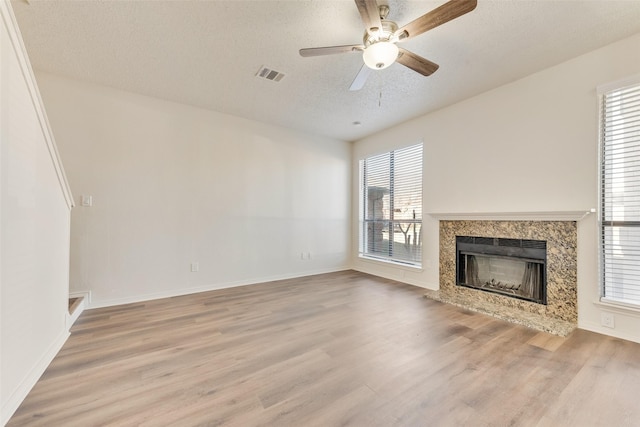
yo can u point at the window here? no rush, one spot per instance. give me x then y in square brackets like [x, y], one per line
[620, 194]
[391, 206]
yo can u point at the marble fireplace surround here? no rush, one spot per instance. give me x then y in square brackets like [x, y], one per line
[560, 315]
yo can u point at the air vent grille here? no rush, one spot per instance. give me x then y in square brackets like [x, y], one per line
[269, 74]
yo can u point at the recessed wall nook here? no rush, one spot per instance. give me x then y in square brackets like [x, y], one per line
[517, 267]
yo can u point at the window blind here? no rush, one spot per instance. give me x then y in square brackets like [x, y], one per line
[620, 194]
[391, 205]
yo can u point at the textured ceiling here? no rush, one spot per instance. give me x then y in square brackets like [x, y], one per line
[206, 53]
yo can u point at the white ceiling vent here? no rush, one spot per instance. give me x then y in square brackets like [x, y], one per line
[269, 74]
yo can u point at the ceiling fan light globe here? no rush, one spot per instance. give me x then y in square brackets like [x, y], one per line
[380, 55]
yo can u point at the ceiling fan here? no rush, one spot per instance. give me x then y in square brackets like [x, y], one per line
[379, 49]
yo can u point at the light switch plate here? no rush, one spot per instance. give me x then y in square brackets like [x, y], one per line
[87, 201]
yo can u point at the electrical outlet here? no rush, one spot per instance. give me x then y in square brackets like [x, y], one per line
[195, 267]
[607, 320]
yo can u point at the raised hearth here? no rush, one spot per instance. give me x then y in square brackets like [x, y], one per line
[559, 315]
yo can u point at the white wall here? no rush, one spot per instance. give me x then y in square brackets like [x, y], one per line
[172, 184]
[34, 228]
[528, 146]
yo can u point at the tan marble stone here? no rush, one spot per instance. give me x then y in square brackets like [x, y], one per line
[559, 314]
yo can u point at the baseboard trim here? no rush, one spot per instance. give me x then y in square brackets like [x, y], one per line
[20, 393]
[72, 317]
[384, 275]
[207, 288]
[84, 294]
[598, 329]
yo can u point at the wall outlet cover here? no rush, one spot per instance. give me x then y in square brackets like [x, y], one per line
[607, 320]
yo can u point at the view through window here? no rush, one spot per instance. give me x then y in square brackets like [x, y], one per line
[391, 206]
[620, 194]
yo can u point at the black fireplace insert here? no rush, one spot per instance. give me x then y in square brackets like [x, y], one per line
[511, 267]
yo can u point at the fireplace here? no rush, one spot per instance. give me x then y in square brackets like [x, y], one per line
[510, 267]
[556, 312]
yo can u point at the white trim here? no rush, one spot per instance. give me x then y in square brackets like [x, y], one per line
[405, 279]
[72, 317]
[595, 327]
[20, 393]
[84, 294]
[27, 72]
[394, 147]
[603, 91]
[514, 216]
[619, 307]
[618, 84]
[599, 170]
[207, 288]
[393, 263]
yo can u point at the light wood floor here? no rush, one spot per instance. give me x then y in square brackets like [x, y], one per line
[329, 350]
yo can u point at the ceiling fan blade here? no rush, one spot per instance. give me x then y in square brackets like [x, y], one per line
[370, 15]
[438, 16]
[416, 63]
[330, 50]
[361, 78]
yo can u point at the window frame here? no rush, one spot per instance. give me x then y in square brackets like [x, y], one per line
[391, 222]
[603, 221]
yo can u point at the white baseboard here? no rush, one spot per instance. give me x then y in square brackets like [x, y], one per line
[397, 277]
[207, 288]
[23, 389]
[71, 318]
[599, 329]
[81, 294]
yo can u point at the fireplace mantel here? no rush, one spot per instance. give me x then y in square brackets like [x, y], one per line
[513, 216]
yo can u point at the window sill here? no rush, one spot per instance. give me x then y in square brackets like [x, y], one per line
[627, 309]
[408, 267]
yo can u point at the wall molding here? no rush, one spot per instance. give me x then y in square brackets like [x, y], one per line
[72, 317]
[210, 287]
[84, 294]
[20, 393]
[395, 275]
[599, 329]
[513, 216]
[9, 19]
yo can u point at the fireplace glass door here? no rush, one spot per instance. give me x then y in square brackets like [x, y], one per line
[509, 267]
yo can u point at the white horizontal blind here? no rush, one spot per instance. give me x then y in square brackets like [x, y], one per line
[620, 194]
[391, 205]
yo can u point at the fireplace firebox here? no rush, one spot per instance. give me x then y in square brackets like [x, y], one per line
[511, 267]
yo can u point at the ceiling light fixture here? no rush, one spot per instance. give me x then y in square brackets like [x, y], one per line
[380, 55]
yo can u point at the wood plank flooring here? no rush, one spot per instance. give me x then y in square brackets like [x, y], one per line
[330, 350]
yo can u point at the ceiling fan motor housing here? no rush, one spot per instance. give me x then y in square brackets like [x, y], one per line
[385, 34]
